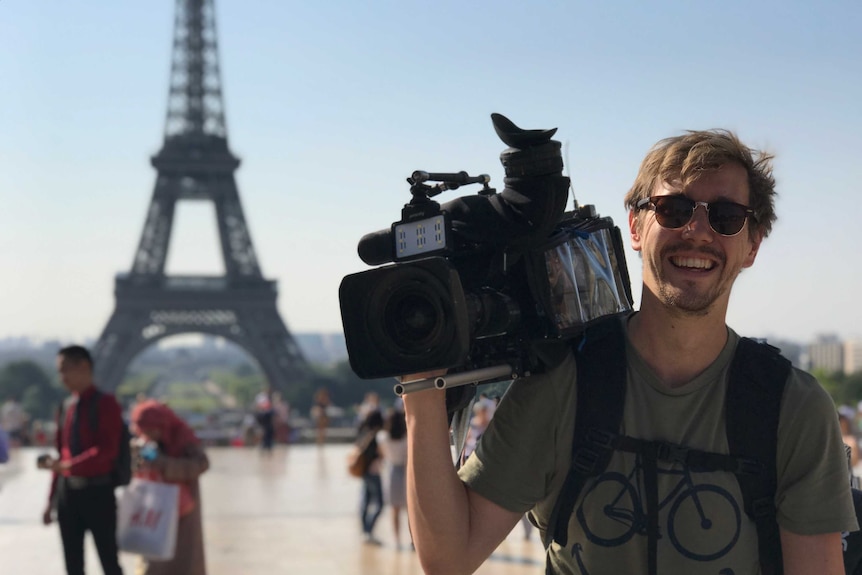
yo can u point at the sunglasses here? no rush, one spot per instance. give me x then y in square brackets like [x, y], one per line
[675, 211]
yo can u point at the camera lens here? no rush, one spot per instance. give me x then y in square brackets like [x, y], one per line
[405, 318]
[414, 312]
[412, 319]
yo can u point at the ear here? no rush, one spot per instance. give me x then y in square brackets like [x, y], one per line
[754, 247]
[634, 232]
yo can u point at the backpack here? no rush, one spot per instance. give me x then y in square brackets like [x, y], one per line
[757, 377]
[121, 473]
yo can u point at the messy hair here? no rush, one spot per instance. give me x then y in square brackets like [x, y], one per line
[681, 160]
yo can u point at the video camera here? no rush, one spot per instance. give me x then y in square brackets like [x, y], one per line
[485, 286]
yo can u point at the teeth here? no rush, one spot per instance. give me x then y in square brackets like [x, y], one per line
[692, 263]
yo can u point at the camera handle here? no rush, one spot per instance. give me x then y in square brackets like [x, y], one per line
[448, 181]
[496, 372]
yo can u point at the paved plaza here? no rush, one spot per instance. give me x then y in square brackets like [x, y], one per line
[294, 512]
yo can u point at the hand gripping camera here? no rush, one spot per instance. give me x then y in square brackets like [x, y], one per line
[487, 286]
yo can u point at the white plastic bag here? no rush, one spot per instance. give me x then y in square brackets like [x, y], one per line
[147, 517]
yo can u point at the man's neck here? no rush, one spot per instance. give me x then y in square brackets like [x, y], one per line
[84, 388]
[676, 346]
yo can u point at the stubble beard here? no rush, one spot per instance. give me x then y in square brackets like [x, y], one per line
[689, 300]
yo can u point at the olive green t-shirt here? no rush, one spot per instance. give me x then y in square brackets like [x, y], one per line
[524, 455]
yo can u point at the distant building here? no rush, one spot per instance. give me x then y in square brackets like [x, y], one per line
[852, 356]
[827, 354]
[791, 350]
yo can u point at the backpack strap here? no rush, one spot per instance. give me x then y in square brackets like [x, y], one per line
[94, 410]
[758, 374]
[601, 389]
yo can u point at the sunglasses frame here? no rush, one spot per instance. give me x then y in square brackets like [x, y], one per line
[650, 204]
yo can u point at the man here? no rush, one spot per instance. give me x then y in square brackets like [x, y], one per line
[82, 490]
[693, 245]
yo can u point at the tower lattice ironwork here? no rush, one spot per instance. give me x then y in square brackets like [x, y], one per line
[195, 163]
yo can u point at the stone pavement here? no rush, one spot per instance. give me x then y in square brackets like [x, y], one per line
[295, 512]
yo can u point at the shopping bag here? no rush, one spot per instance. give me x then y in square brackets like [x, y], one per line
[147, 517]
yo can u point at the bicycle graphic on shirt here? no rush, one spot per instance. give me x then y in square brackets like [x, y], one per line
[623, 516]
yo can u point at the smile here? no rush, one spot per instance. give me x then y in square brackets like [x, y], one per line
[692, 263]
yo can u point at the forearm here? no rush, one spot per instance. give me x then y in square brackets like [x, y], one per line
[437, 500]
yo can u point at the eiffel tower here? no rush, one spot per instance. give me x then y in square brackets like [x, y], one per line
[196, 164]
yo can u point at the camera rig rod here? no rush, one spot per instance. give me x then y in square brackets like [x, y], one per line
[496, 372]
[411, 386]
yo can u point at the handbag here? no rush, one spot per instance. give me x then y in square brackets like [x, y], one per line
[147, 517]
[357, 459]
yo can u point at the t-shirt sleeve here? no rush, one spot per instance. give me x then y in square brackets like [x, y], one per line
[813, 494]
[516, 461]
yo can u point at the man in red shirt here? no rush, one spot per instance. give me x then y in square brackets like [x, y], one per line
[82, 489]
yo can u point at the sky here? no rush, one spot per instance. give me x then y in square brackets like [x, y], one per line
[331, 105]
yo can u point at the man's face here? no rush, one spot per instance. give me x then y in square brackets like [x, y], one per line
[692, 269]
[75, 375]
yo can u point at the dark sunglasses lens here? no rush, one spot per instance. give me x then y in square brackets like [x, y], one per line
[726, 218]
[673, 211]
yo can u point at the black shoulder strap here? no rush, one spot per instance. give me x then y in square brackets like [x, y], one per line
[758, 374]
[601, 389]
[94, 410]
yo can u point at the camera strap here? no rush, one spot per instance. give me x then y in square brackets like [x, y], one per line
[755, 387]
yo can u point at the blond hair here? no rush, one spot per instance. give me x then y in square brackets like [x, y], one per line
[681, 160]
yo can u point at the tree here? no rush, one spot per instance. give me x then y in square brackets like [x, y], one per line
[28, 382]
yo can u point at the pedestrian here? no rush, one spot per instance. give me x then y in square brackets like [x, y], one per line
[320, 413]
[483, 410]
[281, 410]
[392, 441]
[371, 503]
[180, 459]
[265, 417]
[698, 211]
[845, 421]
[4, 446]
[13, 418]
[82, 487]
[370, 402]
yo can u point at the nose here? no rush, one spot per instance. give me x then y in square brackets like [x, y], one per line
[698, 225]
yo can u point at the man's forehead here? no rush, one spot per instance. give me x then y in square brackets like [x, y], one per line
[66, 361]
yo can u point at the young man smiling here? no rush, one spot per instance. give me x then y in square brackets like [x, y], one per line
[699, 209]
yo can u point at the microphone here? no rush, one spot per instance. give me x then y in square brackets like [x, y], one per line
[376, 248]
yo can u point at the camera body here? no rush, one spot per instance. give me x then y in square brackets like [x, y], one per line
[487, 280]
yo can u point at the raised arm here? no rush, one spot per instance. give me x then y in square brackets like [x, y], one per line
[454, 528]
[812, 554]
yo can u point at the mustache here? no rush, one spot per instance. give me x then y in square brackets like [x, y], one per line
[675, 248]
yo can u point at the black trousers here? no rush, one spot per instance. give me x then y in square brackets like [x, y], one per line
[92, 509]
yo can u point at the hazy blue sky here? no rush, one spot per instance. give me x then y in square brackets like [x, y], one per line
[331, 105]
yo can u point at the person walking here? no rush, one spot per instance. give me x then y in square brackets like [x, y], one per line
[178, 458]
[371, 503]
[82, 487]
[699, 209]
[264, 415]
[320, 413]
[392, 441]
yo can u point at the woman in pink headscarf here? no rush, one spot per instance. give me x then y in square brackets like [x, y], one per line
[180, 460]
